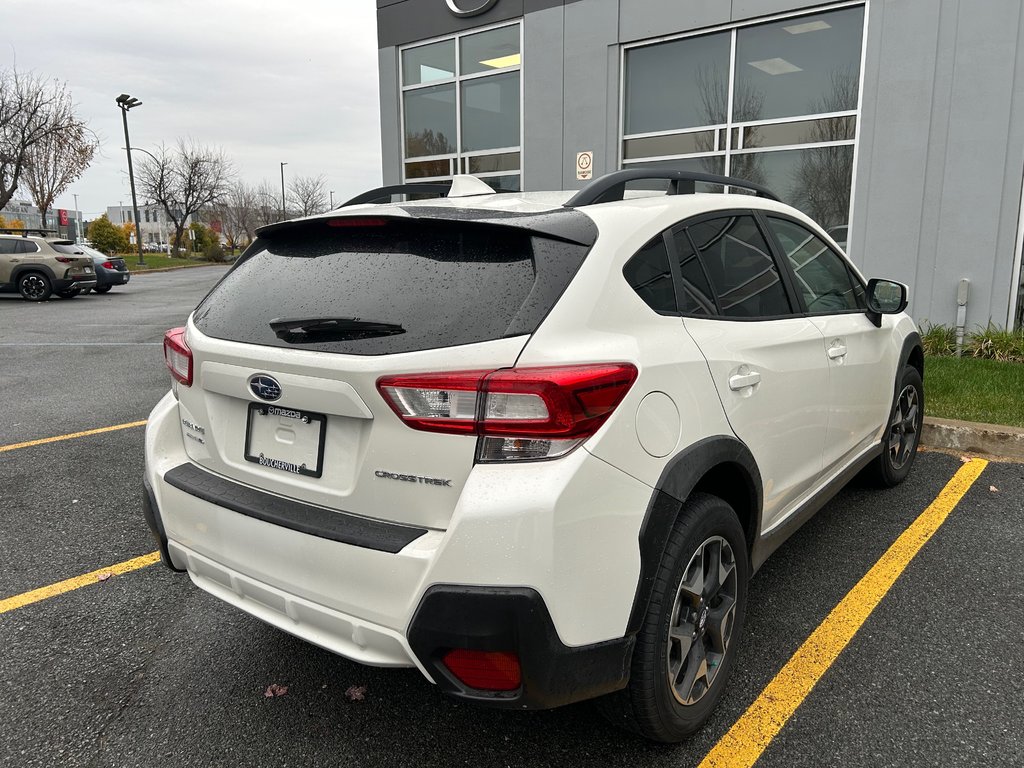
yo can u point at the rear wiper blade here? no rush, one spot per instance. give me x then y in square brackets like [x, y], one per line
[310, 330]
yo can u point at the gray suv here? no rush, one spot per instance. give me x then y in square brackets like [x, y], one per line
[37, 266]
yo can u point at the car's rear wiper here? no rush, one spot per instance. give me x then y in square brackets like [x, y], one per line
[310, 330]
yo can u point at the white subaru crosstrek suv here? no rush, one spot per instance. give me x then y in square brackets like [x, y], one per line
[532, 444]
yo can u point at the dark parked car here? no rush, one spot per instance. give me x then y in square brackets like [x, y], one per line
[110, 270]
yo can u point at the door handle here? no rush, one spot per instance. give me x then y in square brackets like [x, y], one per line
[743, 380]
[836, 351]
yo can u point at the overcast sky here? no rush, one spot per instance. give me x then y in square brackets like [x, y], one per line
[292, 82]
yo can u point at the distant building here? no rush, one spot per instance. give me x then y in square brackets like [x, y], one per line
[153, 220]
[27, 213]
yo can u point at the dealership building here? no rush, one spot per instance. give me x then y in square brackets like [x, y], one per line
[897, 124]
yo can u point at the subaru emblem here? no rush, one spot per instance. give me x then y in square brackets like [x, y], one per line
[265, 387]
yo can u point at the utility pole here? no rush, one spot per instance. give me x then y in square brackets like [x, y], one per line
[282, 190]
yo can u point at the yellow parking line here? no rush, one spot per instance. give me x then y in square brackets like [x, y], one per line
[27, 598]
[72, 436]
[743, 744]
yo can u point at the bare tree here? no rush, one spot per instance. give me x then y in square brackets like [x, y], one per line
[238, 213]
[268, 204]
[308, 195]
[57, 161]
[32, 110]
[185, 180]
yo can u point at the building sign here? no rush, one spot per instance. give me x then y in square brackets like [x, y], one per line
[465, 8]
[62, 216]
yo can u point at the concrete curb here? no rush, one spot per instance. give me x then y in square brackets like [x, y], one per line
[174, 269]
[986, 439]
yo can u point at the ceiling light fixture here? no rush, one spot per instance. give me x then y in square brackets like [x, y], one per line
[809, 26]
[502, 61]
[775, 66]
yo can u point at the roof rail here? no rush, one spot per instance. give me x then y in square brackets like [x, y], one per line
[612, 186]
[24, 231]
[383, 194]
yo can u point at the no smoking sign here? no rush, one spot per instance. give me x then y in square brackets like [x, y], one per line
[584, 165]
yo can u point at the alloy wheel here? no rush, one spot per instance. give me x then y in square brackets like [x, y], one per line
[33, 287]
[702, 621]
[903, 431]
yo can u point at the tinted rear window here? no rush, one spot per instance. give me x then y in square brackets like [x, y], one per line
[427, 284]
[68, 248]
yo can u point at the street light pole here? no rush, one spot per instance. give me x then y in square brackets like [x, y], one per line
[332, 199]
[78, 221]
[282, 190]
[126, 102]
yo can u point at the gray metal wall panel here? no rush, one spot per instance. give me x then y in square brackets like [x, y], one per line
[940, 157]
[642, 19]
[390, 121]
[591, 26]
[412, 20]
[752, 9]
[543, 100]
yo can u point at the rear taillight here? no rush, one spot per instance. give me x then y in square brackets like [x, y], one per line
[519, 413]
[107, 265]
[484, 670]
[64, 259]
[178, 356]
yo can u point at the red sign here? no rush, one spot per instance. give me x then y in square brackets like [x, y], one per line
[62, 216]
[216, 227]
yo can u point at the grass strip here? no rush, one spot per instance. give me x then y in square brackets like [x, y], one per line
[971, 389]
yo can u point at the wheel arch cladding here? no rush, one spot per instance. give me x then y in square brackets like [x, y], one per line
[912, 354]
[23, 268]
[721, 466]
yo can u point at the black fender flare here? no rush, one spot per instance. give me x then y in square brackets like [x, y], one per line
[680, 477]
[19, 270]
[911, 345]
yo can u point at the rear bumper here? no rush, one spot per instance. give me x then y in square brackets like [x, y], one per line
[73, 283]
[111, 277]
[536, 560]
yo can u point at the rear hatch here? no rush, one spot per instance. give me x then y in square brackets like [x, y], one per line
[288, 348]
[76, 263]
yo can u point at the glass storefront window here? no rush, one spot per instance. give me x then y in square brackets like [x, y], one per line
[428, 63]
[804, 66]
[490, 112]
[487, 51]
[791, 120]
[459, 109]
[430, 121]
[682, 84]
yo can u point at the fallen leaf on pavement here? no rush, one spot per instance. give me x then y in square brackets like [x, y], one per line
[275, 690]
[104, 576]
[356, 692]
[993, 489]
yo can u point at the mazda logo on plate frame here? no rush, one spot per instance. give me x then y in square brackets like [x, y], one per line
[265, 387]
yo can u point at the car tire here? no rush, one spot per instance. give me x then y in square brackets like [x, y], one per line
[70, 294]
[34, 286]
[687, 643]
[902, 432]
[102, 288]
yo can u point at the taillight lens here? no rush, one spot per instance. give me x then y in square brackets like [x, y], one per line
[107, 265]
[519, 413]
[178, 356]
[485, 670]
[64, 259]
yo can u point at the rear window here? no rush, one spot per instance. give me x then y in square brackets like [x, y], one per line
[395, 286]
[67, 248]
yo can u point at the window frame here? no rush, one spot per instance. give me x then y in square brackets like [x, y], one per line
[458, 161]
[730, 145]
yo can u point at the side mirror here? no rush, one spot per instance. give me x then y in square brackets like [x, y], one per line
[885, 297]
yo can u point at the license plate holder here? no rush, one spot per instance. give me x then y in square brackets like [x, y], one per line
[285, 439]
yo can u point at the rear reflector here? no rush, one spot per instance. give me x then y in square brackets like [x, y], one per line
[178, 356]
[485, 670]
[520, 413]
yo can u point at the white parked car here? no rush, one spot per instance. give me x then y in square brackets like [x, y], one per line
[532, 444]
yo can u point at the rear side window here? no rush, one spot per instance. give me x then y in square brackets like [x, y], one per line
[390, 287]
[740, 266]
[648, 274]
[696, 297]
[8, 245]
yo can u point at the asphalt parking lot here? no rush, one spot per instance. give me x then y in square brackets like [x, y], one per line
[142, 668]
